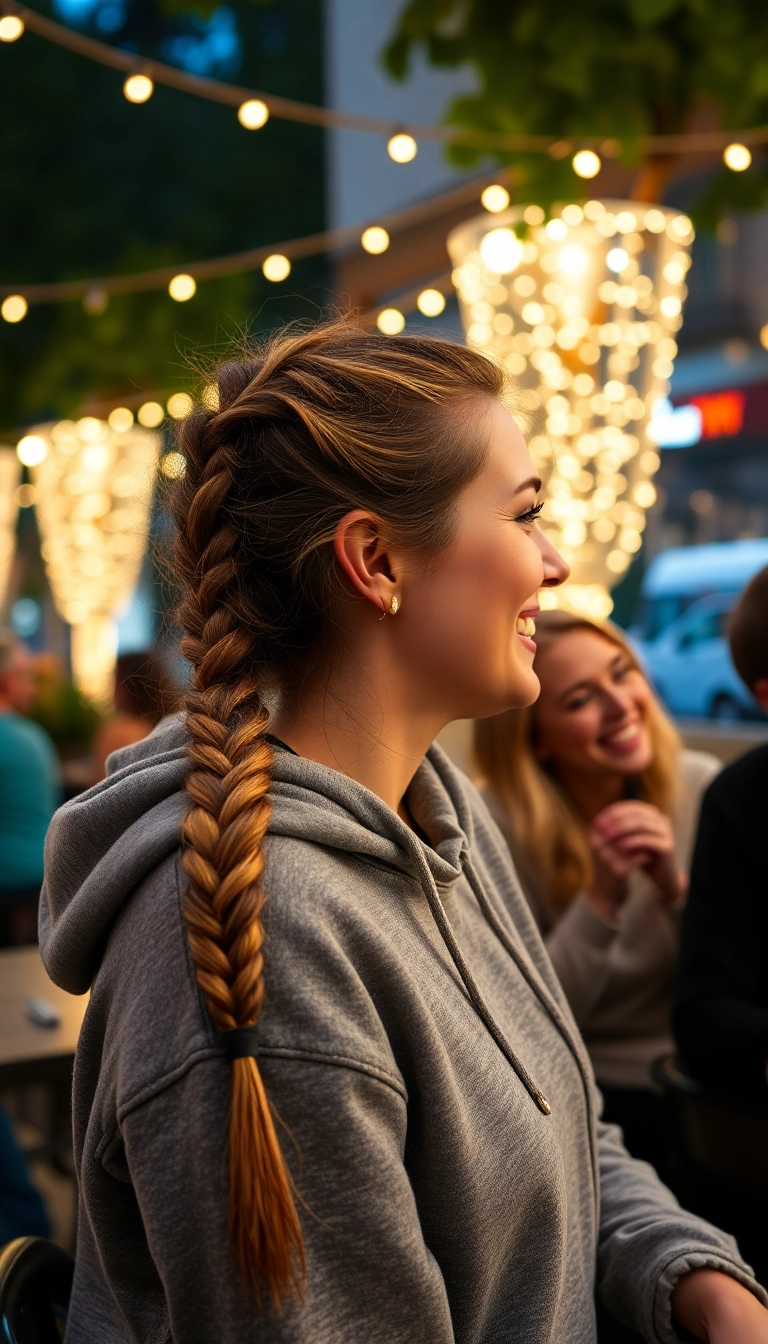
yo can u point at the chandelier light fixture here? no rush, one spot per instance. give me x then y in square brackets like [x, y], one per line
[93, 493]
[582, 311]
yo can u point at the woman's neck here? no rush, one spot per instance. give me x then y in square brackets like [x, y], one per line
[590, 791]
[362, 722]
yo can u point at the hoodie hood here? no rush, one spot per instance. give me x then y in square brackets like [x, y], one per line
[102, 844]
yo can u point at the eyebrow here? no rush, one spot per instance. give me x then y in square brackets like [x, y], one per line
[533, 483]
[577, 685]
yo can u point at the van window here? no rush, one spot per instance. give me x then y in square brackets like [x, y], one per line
[713, 625]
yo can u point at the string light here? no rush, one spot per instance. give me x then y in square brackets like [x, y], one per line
[590, 355]
[430, 302]
[120, 420]
[495, 198]
[277, 267]
[375, 240]
[253, 114]
[11, 499]
[173, 465]
[182, 288]
[210, 397]
[764, 336]
[390, 321]
[179, 406]
[14, 308]
[31, 450]
[737, 158]
[586, 163]
[150, 415]
[11, 28]
[402, 147]
[138, 88]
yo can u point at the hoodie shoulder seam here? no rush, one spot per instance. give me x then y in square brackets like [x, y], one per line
[166, 1080]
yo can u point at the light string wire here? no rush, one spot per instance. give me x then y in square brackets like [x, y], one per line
[289, 109]
[236, 263]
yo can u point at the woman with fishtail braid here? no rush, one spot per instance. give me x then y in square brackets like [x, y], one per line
[328, 1089]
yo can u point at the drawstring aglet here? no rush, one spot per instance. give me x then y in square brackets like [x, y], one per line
[542, 1103]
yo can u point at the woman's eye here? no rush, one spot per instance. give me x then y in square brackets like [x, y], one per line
[622, 672]
[530, 515]
[579, 703]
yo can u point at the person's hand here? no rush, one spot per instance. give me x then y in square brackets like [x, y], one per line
[627, 836]
[715, 1308]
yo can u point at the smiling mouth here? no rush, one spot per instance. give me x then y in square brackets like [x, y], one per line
[623, 737]
[526, 626]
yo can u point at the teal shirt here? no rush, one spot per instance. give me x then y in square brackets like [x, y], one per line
[29, 796]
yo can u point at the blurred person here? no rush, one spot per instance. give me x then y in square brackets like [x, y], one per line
[144, 694]
[327, 1086]
[29, 794]
[721, 1014]
[598, 801]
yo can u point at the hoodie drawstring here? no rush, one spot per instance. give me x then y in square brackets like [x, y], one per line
[480, 1006]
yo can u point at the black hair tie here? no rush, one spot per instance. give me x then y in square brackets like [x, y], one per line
[240, 1042]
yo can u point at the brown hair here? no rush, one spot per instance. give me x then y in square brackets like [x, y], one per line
[312, 425]
[550, 832]
[748, 631]
[143, 686]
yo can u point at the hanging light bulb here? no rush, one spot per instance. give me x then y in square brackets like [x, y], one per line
[375, 240]
[431, 302]
[402, 147]
[11, 28]
[14, 308]
[390, 321]
[138, 88]
[586, 163]
[253, 114]
[737, 158]
[277, 267]
[182, 288]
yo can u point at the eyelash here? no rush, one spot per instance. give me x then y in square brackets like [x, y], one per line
[530, 515]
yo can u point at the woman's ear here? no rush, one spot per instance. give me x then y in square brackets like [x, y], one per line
[361, 548]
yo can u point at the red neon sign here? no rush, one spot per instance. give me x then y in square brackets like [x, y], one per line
[722, 414]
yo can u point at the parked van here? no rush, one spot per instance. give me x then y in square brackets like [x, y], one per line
[682, 636]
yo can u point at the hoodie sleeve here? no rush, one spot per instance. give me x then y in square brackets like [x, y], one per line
[647, 1243]
[369, 1272]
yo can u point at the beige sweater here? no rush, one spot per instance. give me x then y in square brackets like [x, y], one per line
[619, 976]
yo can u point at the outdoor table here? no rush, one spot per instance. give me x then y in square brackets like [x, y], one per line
[29, 1053]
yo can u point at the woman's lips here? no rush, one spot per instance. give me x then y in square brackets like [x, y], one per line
[624, 739]
[526, 628]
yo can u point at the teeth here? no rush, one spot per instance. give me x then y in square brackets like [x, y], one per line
[623, 734]
[526, 626]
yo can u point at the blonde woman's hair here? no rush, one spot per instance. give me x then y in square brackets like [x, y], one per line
[551, 835]
[310, 425]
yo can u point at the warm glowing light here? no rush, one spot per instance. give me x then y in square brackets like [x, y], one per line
[150, 415]
[31, 450]
[390, 321]
[737, 158]
[533, 215]
[495, 198]
[501, 251]
[210, 397]
[375, 240]
[14, 308]
[179, 406]
[644, 494]
[402, 148]
[277, 267]
[655, 221]
[182, 287]
[253, 114]
[764, 336]
[430, 302]
[557, 229]
[11, 28]
[138, 88]
[173, 465]
[573, 260]
[617, 259]
[670, 305]
[120, 420]
[586, 163]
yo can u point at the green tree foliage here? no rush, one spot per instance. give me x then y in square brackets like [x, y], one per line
[618, 69]
[93, 185]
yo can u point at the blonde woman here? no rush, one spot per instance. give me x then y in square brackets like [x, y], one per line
[598, 801]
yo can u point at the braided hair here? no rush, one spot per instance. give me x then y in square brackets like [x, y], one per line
[313, 424]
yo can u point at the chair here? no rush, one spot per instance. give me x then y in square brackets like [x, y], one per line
[724, 1133]
[35, 1287]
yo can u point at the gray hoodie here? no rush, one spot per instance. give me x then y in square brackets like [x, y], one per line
[411, 1029]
